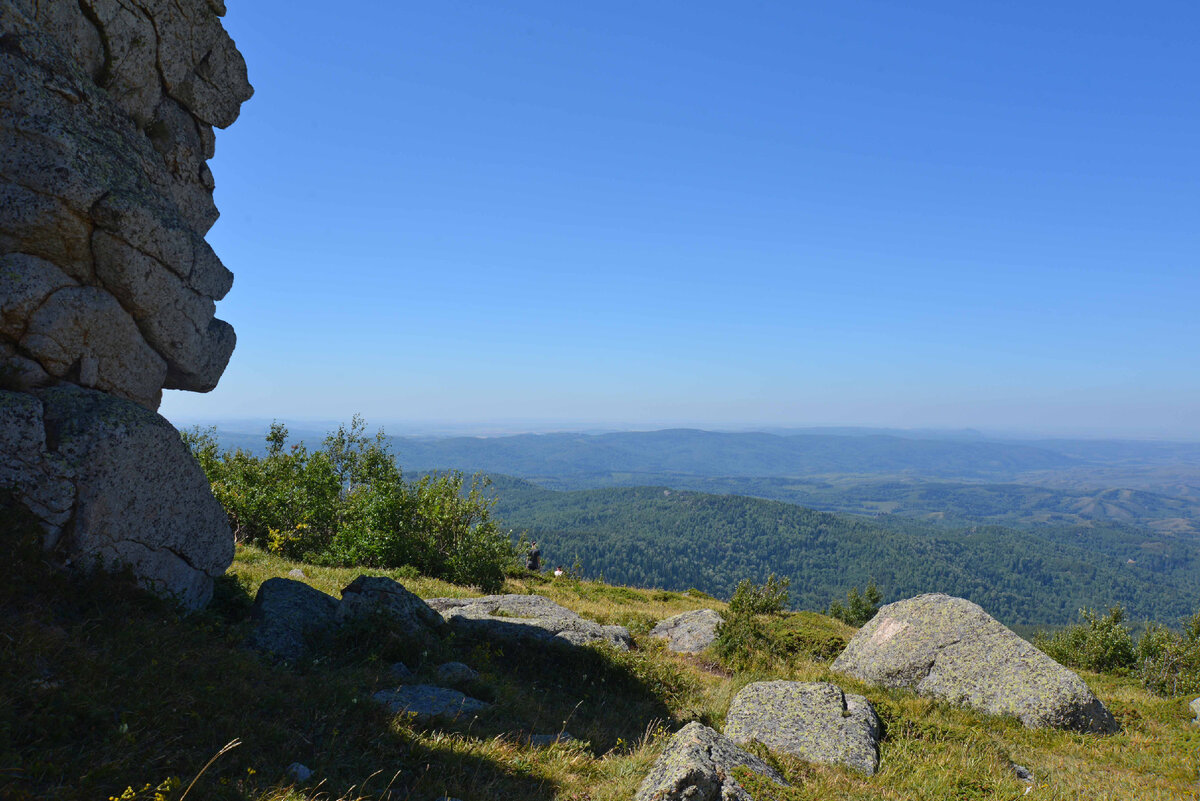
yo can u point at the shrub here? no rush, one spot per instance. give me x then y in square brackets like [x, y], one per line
[349, 504]
[859, 608]
[740, 634]
[1168, 663]
[1099, 643]
[760, 599]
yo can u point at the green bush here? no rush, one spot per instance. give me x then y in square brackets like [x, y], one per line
[741, 635]
[760, 599]
[1169, 662]
[1099, 643]
[859, 608]
[348, 504]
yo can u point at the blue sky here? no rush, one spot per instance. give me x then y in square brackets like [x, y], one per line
[543, 214]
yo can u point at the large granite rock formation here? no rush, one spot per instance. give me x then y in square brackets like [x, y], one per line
[949, 648]
[697, 765]
[107, 110]
[814, 721]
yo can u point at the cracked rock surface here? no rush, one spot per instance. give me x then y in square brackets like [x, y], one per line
[949, 648]
[814, 721]
[697, 765]
[107, 110]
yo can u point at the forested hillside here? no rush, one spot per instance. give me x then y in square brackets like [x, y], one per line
[655, 536]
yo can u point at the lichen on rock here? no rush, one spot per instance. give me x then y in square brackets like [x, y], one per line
[950, 648]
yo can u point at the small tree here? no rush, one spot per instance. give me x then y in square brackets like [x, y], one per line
[859, 608]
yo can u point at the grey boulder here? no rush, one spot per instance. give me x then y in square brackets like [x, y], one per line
[424, 702]
[526, 617]
[455, 673]
[697, 765]
[951, 649]
[115, 486]
[1195, 707]
[288, 615]
[689, 632]
[381, 595]
[814, 721]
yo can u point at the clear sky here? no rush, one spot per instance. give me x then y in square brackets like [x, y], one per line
[715, 213]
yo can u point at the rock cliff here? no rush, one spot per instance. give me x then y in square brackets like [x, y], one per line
[108, 289]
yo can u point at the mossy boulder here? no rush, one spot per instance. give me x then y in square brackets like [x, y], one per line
[949, 648]
[697, 765]
[689, 632]
[814, 721]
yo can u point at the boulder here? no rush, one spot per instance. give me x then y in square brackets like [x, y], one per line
[949, 648]
[381, 595]
[689, 632]
[115, 486]
[455, 673]
[288, 615]
[526, 617]
[1195, 707]
[814, 721]
[697, 765]
[424, 702]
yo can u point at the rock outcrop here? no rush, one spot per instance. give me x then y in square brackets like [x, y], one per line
[689, 632]
[697, 765]
[814, 721]
[949, 648]
[107, 110]
[526, 617]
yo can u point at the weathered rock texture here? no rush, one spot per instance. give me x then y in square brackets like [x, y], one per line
[689, 632]
[526, 617]
[288, 616]
[107, 109]
[697, 765]
[814, 721]
[949, 648]
[426, 702]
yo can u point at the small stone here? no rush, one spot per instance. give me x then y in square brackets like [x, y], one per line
[1195, 707]
[456, 673]
[400, 671]
[299, 772]
[1023, 773]
[296, 573]
[425, 702]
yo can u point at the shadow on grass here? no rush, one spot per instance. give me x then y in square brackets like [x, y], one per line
[103, 687]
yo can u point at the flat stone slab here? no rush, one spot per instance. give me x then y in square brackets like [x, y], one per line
[690, 632]
[697, 765]
[287, 615]
[814, 721]
[426, 702]
[951, 649]
[526, 617]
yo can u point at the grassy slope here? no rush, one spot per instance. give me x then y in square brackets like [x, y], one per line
[102, 688]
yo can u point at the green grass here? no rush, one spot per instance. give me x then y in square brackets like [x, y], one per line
[103, 688]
